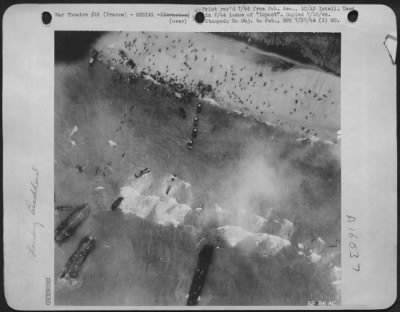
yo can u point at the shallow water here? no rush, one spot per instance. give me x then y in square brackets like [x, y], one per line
[235, 162]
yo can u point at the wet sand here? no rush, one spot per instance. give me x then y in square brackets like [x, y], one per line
[246, 80]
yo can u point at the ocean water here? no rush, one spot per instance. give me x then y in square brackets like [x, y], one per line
[236, 162]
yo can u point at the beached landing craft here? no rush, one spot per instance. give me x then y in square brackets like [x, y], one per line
[76, 261]
[70, 224]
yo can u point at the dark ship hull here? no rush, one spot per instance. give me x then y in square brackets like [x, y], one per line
[199, 278]
[76, 261]
[71, 223]
[116, 203]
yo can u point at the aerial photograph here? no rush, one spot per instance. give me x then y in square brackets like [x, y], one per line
[197, 168]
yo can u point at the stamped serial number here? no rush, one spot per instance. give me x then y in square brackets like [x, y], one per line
[354, 241]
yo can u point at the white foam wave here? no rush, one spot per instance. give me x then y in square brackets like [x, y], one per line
[163, 210]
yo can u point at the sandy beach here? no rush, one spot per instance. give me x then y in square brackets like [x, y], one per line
[272, 89]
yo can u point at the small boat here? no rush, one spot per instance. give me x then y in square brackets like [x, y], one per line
[116, 203]
[142, 172]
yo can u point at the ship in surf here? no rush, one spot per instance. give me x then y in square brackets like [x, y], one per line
[199, 278]
[75, 262]
[116, 203]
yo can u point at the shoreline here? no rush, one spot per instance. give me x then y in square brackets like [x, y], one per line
[299, 99]
[283, 51]
[205, 94]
